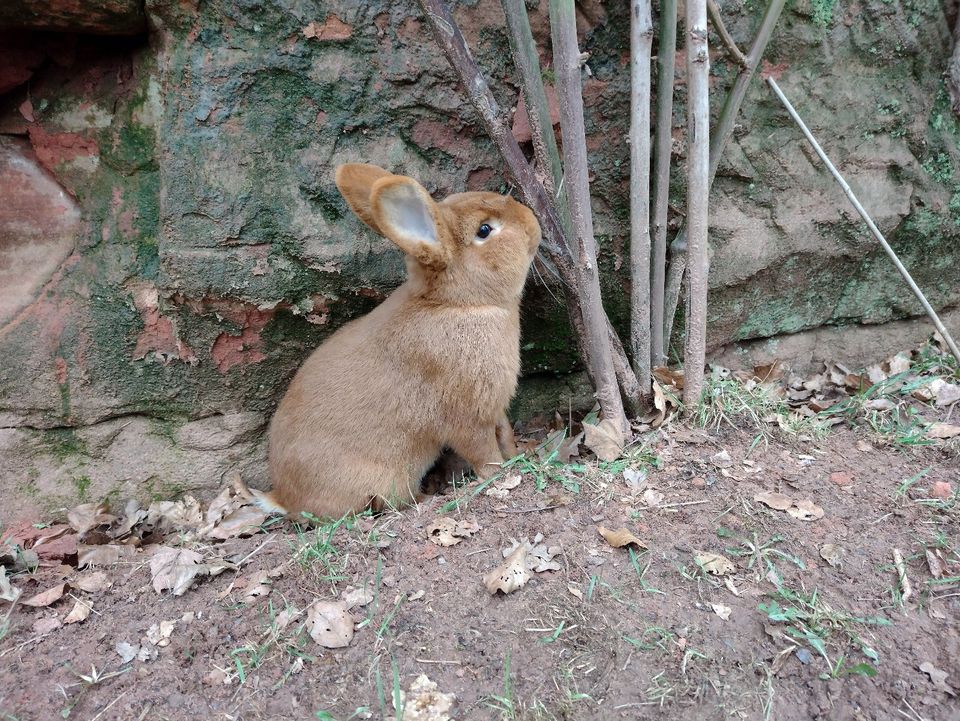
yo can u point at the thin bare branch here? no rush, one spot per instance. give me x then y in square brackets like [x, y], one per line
[666, 53]
[641, 42]
[566, 64]
[931, 313]
[718, 142]
[698, 191]
[728, 42]
[527, 61]
[578, 273]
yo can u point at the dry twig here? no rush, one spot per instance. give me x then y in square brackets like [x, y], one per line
[931, 313]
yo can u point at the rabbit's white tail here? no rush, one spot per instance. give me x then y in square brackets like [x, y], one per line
[266, 502]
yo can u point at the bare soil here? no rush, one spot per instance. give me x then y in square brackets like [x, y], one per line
[610, 636]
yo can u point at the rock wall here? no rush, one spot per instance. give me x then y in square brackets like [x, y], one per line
[172, 243]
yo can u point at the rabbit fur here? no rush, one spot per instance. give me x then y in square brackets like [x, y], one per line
[435, 365]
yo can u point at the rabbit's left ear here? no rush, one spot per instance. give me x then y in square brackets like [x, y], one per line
[407, 215]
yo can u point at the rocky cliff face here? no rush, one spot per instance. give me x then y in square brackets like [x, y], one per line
[172, 244]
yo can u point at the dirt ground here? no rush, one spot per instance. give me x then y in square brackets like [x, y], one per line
[797, 617]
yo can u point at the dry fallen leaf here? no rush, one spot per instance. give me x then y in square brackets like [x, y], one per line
[937, 677]
[636, 479]
[540, 557]
[620, 538]
[88, 516]
[806, 511]
[947, 394]
[159, 633]
[106, 555]
[329, 624]
[45, 598]
[604, 439]
[714, 563]
[81, 610]
[511, 575]
[721, 610]
[425, 703]
[776, 501]
[7, 591]
[449, 531]
[722, 459]
[652, 497]
[502, 487]
[357, 597]
[126, 651]
[943, 430]
[91, 582]
[175, 569]
[832, 554]
[244, 521]
[936, 563]
[258, 584]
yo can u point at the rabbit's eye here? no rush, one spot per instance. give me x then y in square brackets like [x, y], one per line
[484, 231]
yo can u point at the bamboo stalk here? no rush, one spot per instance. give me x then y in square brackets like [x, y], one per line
[641, 43]
[527, 62]
[719, 139]
[666, 51]
[566, 64]
[931, 313]
[698, 191]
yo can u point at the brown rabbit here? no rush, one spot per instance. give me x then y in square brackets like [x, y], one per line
[433, 366]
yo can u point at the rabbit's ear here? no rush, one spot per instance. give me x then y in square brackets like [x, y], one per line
[355, 182]
[407, 215]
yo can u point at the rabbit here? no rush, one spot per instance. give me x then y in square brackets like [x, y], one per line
[434, 366]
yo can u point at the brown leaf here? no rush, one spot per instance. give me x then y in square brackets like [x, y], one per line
[102, 555]
[357, 597]
[947, 394]
[937, 677]
[569, 448]
[8, 592]
[769, 372]
[776, 501]
[540, 557]
[259, 584]
[91, 582]
[900, 363]
[936, 563]
[721, 610]
[88, 516]
[806, 511]
[832, 554]
[604, 439]
[668, 376]
[45, 598]
[620, 538]
[449, 531]
[511, 575]
[714, 563]
[425, 702]
[722, 459]
[943, 430]
[244, 521]
[81, 610]
[329, 624]
[175, 569]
